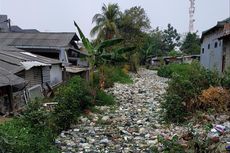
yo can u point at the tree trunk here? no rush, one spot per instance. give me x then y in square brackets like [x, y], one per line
[102, 78]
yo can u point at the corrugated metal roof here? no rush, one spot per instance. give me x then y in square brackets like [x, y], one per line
[43, 39]
[12, 68]
[21, 56]
[75, 69]
[220, 24]
[7, 78]
[16, 61]
[29, 64]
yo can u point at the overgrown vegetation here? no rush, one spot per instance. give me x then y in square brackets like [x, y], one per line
[73, 98]
[104, 99]
[191, 88]
[30, 133]
[214, 97]
[104, 53]
[35, 130]
[167, 71]
[172, 145]
[112, 74]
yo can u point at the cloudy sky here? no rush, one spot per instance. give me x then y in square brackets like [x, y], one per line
[58, 15]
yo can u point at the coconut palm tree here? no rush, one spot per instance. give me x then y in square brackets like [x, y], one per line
[106, 27]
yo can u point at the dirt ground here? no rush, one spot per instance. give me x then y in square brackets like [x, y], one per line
[4, 119]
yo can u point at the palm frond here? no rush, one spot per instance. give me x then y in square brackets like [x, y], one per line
[104, 8]
[95, 30]
[96, 17]
[100, 21]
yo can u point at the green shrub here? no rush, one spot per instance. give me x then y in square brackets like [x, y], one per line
[119, 76]
[72, 98]
[35, 115]
[225, 82]
[102, 98]
[171, 146]
[29, 133]
[164, 71]
[174, 111]
[112, 74]
[167, 71]
[20, 137]
[184, 89]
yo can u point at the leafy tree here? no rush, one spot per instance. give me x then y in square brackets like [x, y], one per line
[154, 45]
[134, 21]
[171, 38]
[133, 25]
[160, 43]
[191, 44]
[106, 22]
[174, 53]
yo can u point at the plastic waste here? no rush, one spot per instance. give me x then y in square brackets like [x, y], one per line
[220, 128]
[228, 148]
[214, 135]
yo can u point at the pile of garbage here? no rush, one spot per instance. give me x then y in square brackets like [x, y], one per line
[221, 134]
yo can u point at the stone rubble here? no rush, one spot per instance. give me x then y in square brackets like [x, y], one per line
[132, 126]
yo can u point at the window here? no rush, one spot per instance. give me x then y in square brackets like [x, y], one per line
[216, 44]
[220, 43]
[208, 46]
[202, 50]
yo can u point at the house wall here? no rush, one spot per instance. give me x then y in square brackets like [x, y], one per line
[63, 56]
[226, 50]
[55, 74]
[4, 100]
[212, 52]
[19, 100]
[34, 76]
[42, 75]
[46, 75]
[4, 26]
[82, 62]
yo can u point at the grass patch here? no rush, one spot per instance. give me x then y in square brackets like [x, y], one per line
[104, 99]
[167, 71]
[29, 133]
[112, 75]
[120, 76]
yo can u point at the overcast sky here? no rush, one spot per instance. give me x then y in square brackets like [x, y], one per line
[58, 15]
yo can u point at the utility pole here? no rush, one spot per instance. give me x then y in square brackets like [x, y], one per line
[191, 16]
[229, 8]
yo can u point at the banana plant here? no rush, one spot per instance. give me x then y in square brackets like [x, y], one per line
[118, 55]
[98, 54]
[146, 53]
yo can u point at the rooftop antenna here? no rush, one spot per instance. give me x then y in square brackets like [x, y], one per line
[191, 16]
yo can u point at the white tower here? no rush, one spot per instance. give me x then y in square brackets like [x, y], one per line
[191, 16]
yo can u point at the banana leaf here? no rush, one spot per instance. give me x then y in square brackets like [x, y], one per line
[108, 43]
[125, 50]
[85, 41]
